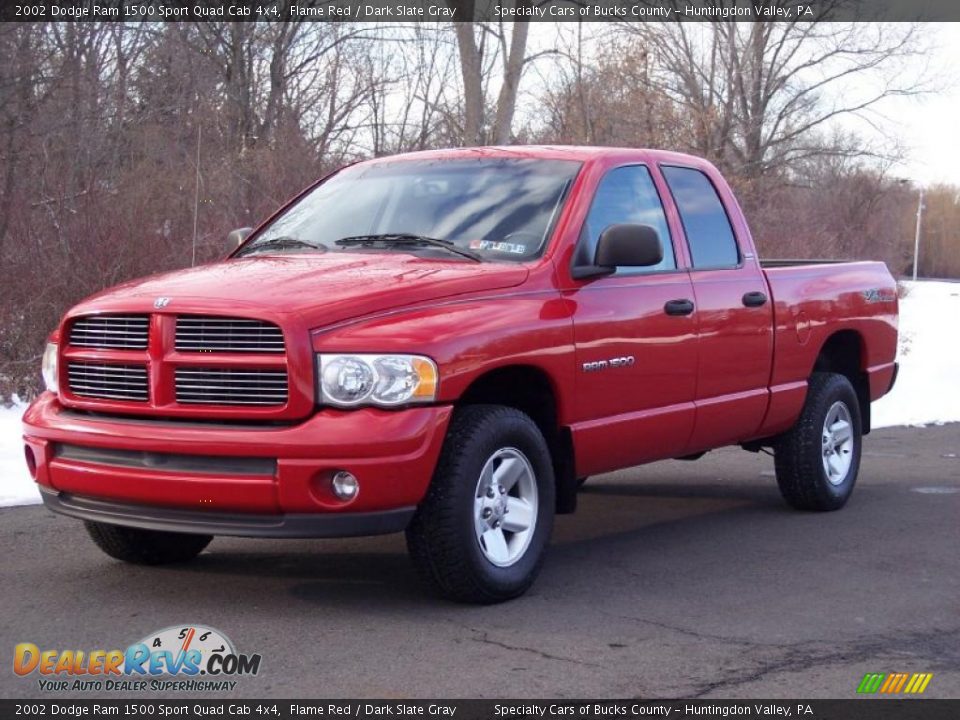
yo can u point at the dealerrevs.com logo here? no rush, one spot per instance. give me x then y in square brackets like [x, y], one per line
[182, 657]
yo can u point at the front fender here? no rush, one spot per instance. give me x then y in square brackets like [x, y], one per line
[468, 338]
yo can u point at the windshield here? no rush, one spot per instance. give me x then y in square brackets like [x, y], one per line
[496, 208]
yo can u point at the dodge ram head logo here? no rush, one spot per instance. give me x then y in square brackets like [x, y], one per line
[161, 302]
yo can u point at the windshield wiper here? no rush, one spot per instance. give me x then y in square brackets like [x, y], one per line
[279, 243]
[400, 239]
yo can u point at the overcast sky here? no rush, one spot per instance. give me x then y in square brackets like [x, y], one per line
[930, 127]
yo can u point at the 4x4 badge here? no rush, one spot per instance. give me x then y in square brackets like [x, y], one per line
[161, 302]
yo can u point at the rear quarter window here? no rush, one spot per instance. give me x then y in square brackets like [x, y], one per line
[705, 221]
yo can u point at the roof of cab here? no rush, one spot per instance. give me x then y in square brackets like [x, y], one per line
[580, 153]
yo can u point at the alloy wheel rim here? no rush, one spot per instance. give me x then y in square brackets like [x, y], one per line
[837, 443]
[505, 507]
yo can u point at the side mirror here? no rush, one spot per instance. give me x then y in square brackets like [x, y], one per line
[629, 246]
[235, 238]
[624, 245]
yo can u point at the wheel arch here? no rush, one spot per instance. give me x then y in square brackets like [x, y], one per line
[844, 353]
[532, 390]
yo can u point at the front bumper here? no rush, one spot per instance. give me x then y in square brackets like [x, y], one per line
[204, 522]
[226, 479]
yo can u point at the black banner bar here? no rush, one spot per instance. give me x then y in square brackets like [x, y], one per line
[859, 709]
[477, 10]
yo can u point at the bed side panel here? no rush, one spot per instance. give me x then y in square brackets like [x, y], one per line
[811, 304]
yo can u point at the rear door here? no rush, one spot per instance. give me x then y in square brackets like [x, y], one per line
[636, 362]
[735, 316]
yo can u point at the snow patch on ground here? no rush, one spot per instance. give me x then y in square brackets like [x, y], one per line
[927, 390]
[16, 485]
[928, 387]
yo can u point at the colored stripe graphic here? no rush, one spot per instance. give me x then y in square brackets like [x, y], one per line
[894, 683]
[871, 682]
[898, 683]
[918, 683]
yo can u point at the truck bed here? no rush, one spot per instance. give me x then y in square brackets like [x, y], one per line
[815, 300]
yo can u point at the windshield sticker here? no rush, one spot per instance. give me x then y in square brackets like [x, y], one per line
[503, 247]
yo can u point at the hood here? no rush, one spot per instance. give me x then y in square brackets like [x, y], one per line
[319, 289]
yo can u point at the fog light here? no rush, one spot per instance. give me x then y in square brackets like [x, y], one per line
[345, 485]
[31, 461]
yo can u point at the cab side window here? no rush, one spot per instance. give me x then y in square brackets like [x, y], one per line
[705, 222]
[626, 195]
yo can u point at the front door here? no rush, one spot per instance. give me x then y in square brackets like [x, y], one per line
[636, 340]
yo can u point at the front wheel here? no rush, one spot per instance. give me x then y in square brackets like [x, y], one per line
[146, 547]
[480, 534]
[817, 461]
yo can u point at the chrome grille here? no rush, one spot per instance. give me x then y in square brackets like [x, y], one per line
[108, 382]
[200, 333]
[119, 332]
[229, 386]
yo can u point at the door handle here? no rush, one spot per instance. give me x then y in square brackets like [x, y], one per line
[678, 307]
[754, 299]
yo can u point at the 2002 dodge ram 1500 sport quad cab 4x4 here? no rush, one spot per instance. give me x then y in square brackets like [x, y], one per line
[448, 343]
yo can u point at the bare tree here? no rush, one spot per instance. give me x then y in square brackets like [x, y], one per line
[489, 53]
[940, 241]
[600, 93]
[414, 101]
[20, 67]
[758, 91]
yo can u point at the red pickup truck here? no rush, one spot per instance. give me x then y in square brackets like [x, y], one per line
[449, 343]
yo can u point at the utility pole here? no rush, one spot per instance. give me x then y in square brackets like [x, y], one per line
[916, 239]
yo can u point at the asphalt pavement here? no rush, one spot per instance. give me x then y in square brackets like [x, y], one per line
[679, 579]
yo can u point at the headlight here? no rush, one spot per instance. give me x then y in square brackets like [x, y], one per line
[49, 367]
[386, 380]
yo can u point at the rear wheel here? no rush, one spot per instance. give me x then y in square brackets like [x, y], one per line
[146, 547]
[817, 461]
[480, 534]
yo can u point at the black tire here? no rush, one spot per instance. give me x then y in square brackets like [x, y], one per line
[799, 455]
[146, 547]
[441, 537]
